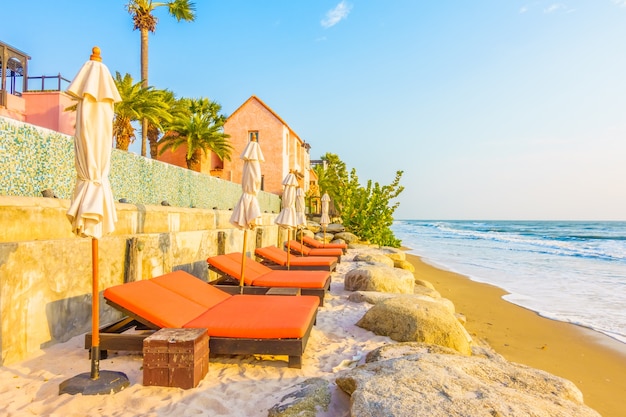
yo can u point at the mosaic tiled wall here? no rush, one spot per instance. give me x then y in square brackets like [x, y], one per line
[33, 159]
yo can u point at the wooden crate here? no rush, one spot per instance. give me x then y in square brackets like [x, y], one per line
[176, 357]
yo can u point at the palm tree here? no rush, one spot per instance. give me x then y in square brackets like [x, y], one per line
[177, 109]
[145, 21]
[200, 127]
[138, 103]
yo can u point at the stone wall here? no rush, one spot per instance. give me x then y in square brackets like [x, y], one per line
[46, 271]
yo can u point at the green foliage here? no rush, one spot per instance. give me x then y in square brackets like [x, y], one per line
[198, 124]
[365, 211]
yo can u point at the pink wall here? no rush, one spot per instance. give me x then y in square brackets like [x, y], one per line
[47, 109]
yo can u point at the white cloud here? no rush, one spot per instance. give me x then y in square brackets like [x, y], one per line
[336, 15]
[621, 3]
[554, 7]
[523, 10]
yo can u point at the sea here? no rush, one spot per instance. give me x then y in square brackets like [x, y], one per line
[571, 271]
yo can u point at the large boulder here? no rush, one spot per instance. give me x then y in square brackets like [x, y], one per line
[374, 258]
[403, 264]
[394, 253]
[313, 226]
[418, 319]
[379, 278]
[347, 237]
[305, 399]
[429, 382]
[335, 228]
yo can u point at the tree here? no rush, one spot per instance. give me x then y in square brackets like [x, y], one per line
[145, 21]
[365, 211]
[201, 128]
[137, 103]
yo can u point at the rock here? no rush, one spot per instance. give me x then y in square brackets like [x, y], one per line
[306, 400]
[373, 258]
[394, 253]
[379, 278]
[449, 385]
[313, 226]
[407, 318]
[347, 237]
[399, 350]
[424, 283]
[428, 292]
[335, 228]
[305, 232]
[404, 265]
[371, 297]
[324, 237]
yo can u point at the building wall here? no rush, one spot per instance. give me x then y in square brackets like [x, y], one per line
[47, 109]
[281, 146]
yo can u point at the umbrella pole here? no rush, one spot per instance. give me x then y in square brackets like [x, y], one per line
[243, 260]
[95, 313]
[288, 248]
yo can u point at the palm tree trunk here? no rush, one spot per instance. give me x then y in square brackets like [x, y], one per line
[194, 163]
[144, 83]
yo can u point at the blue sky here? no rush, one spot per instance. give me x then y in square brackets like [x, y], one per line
[494, 109]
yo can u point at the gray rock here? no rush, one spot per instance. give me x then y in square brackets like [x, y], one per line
[304, 400]
[379, 278]
[347, 237]
[313, 226]
[448, 385]
[374, 258]
[417, 319]
[335, 228]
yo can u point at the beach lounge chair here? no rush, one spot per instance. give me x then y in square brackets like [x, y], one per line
[276, 258]
[299, 249]
[314, 243]
[228, 267]
[236, 324]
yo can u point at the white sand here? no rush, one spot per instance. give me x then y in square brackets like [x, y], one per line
[245, 386]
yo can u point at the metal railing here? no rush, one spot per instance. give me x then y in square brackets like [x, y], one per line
[47, 83]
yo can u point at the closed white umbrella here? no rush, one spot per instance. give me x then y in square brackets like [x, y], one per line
[325, 220]
[92, 209]
[247, 212]
[287, 217]
[300, 210]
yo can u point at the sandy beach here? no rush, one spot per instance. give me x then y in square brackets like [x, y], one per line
[594, 362]
[248, 386]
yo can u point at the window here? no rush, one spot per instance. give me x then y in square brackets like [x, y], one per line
[253, 135]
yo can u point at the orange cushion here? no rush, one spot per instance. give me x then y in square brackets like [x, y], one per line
[192, 288]
[298, 279]
[279, 257]
[317, 244]
[295, 245]
[154, 303]
[262, 317]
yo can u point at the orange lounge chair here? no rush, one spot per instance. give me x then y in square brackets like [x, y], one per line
[299, 249]
[236, 324]
[276, 258]
[260, 276]
[314, 243]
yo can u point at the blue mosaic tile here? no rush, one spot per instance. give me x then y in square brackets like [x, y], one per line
[33, 159]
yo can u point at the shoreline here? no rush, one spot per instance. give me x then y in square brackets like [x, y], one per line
[596, 363]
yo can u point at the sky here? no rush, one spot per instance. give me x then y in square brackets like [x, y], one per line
[493, 109]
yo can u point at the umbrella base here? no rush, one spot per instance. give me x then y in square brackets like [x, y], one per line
[109, 382]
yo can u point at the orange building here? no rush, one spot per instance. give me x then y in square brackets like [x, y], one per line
[283, 149]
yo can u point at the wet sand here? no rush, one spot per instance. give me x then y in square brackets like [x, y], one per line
[594, 362]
